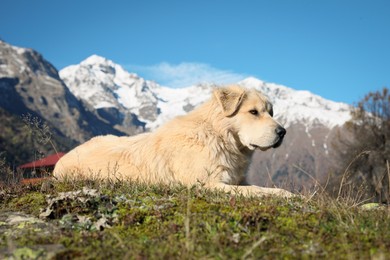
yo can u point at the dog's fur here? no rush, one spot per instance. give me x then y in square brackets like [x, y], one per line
[211, 145]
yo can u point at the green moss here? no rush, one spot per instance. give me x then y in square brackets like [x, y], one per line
[162, 222]
[27, 253]
[30, 202]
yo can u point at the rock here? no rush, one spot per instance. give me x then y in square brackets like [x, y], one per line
[371, 206]
[19, 225]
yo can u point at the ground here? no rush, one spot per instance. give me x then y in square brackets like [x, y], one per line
[94, 220]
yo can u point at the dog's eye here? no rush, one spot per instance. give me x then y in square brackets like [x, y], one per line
[254, 112]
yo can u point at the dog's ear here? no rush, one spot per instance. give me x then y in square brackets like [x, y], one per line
[229, 98]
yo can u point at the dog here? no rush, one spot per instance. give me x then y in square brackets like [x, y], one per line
[212, 145]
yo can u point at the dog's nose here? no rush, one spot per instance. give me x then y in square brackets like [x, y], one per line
[280, 131]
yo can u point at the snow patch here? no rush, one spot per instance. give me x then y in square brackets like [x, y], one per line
[326, 149]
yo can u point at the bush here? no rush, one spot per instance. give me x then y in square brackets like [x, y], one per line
[366, 150]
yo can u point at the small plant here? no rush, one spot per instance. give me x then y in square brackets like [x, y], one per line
[38, 129]
[7, 176]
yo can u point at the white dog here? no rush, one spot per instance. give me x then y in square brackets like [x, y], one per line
[211, 145]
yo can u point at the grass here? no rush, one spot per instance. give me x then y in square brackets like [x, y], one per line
[92, 220]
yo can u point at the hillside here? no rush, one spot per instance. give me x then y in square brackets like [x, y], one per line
[24, 138]
[31, 87]
[94, 220]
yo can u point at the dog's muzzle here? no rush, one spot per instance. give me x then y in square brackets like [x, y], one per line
[280, 132]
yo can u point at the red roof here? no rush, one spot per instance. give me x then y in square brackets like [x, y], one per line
[50, 160]
[33, 180]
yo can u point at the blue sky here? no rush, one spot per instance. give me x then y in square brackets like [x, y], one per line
[339, 49]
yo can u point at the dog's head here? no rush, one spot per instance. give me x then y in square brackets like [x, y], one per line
[251, 117]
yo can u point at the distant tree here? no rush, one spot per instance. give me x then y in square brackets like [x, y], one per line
[366, 150]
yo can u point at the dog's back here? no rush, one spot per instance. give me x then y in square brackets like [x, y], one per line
[99, 157]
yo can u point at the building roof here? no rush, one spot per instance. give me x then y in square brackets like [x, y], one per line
[50, 160]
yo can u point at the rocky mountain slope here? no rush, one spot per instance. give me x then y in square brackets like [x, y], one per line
[31, 87]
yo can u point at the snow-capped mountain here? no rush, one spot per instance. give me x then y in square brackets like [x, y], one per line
[103, 84]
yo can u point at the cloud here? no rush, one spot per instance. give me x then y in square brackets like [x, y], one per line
[186, 74]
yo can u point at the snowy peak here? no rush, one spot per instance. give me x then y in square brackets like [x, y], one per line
[96, 60]
[270, 89]
[102, 84]
[101, 65]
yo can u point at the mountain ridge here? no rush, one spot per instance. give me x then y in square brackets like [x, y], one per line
[291, 106]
